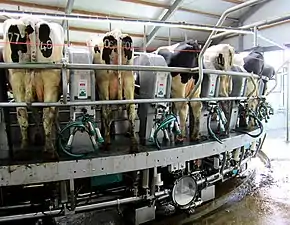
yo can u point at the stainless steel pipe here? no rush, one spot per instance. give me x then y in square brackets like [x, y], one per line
[119, 102]
[102, 19]
[209, 40]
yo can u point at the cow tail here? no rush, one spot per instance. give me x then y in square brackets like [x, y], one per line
[31, 84]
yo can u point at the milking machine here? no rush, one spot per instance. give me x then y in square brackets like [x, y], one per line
[154, 117]
[213, 120]
[81, 135]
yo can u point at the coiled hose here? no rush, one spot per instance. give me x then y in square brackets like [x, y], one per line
[253, 115]
[83, 123]
[210, 131]
[162, 126]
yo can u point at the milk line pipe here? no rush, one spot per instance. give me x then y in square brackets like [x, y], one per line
[209, 40]
[120, 102]
[80, 208]
[256, 24]
[74, 17]
[118, 67]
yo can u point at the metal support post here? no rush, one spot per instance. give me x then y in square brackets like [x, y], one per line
[255, 36]
[287, 106]
[169, 36]
[209, 40]
[144, 38]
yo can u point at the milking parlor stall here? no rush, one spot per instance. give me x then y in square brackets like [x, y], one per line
[138, 106]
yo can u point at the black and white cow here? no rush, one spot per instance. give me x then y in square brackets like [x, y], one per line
[34, 40]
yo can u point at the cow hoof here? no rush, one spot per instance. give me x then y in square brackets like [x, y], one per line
[21, 155]
[51, 155]
[24, 145]
[37, 139]
[179, 139]
[195, 138]
[106, 146]
[134, 148]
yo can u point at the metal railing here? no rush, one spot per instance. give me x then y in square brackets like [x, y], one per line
[64, 66]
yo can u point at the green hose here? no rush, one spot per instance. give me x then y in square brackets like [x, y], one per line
[81, 124]
[253, 115]
[162, 126]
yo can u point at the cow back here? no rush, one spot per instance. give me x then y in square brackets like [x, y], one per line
[183, 54]
[14, 37]
[50, 37]
[254, 62]
[269, 72]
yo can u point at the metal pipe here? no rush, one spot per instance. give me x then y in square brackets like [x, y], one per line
[209, 40]
[272, 42]
[64, 85]
[276, 82]
[169, 36]
[105, 19]
[120, 102]
[258, 24]
[95, 67]
[287, 104]
[144, 38]
[255, 37]
[118, 67]
[231, 73]
[81, 208]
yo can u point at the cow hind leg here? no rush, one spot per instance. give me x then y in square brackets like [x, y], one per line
[106, 123]
[51, 93]
[182, 109]
[252, 105]
[22, 118]
[195, 122]
[226, 108]
[18, 87]
[129, 87]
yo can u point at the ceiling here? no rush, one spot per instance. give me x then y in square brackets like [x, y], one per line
[205, 12]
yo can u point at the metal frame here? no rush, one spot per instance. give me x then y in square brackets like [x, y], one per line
[174, 7]
[67, 170]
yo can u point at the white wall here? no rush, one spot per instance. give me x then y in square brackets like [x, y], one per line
[279, 34]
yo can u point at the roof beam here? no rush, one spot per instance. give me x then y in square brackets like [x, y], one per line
[166, 6]
[251, 11]
[245, 16]
[68, 10]
[168, 14]
[59, 9]
[234, 1]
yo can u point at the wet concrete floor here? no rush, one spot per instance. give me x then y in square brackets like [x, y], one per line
[267, 202]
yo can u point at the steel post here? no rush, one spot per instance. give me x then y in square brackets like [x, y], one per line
[287, 104]
[255, 41]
